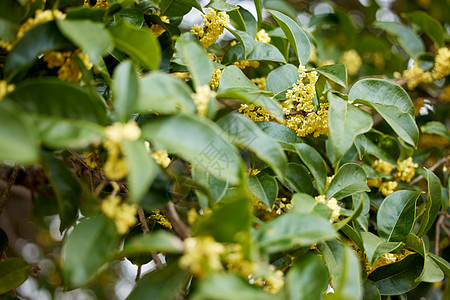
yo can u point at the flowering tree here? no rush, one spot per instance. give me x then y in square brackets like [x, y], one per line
[280, 161]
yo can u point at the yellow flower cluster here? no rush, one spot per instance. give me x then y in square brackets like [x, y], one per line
[213, 24]
[262, 36]
[255, 113]
[352, 61]
[5, 88]
[382, 166]
[6, 45]
[181, 75]
[386, 259]
[89, 159]
[201, 99]
[66, 61]
[162, 158]
[388, 187]
[374, 182]
[332, 204]
[215, 78]
[116, 167]
[445, 95]
[124, 215]
[282, 205]
[260, 82]
[160, 219]
[415, 75]
[202, 255]
[242, 64]
[253, 172]
[406, 170]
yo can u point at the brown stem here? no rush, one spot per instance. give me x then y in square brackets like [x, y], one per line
[146, 230]
[180, 228]
[138, 273]
[432, 168]
[7, 191]
[438, 234]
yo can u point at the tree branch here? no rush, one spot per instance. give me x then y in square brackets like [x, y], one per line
[146, 230]
[180, 228]
[7, 191]
[432, 168]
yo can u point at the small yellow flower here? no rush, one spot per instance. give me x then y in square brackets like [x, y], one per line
[382, 166]
[260, 82]
[89, 158]
[213, 24]
[441, 67]
[162, 158]
[253, 172]
[415, 75]
[387, 188]
[215, 78]
[352, 61]
[124, 215]
[262, 36]
[332, 204]
[160, 219]
[68, 67]
[406, 170]
[201, 99]
[40, 17]
[5, 88]
[242, 64]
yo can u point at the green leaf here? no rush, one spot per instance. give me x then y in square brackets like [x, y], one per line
[243, 132]
[233, 78]
[227, 286]
[162, 93]
[214, 186]
[315, 163]
[143, 169]
[18, 138]
[333, 252]
[290, 230]
[348, 287]
[41, 38]
[298, 176]
[282, 78]
[13, 272]
[371, 291]
[396, 215]
[139, 44]
[264, 187]
[407, 39]
[435, 127]
[397, 109]
[258, 6]
[60, 133]
[375, 247]
[431, 271]
[306, 279]
[67, 100]
[4, 241]
[305, 204]
[66, 187]
[198, 142]
[336, 73]
[165, 283]
[159, 241]
[399, 277]
[92, 37]
[346, 122]
[295, 35]
[434, 203]
[221, 5]
[125, 90]
[87, 248]
[428, 24]
[190, 53]
[442, 263]
[261, 52]
[132, 15]
[354, 214]
[247, 41]
[349, 179]
[279, 132]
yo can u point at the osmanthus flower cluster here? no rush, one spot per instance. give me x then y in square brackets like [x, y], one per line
[284, 163]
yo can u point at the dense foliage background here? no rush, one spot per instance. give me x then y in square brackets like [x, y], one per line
[224, 149]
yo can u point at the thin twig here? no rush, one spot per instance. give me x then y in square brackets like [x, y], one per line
[180, 228]
[438, 234]
[138, 273]
[7, 191]
[447, 231]
[432, 168]
[146, 230]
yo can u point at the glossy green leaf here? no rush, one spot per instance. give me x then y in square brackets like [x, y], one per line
[261, 52]
[247, 41]
[279, 132]
[227, 286]
[139, 44]
[60, 133]
[375, 247]
[428, 24]
[264, 187]
[434, 203]
[13, 272]
[18, 138]
[346, 122]
[125, 90]
[355, 236]
[305, 204]
[162, 93]
[66, 187]
[306, 279]
[282, 78]
[298, 176]
[399, 277]
[295, 35]
[92, 37]
[349, 179]
[159, 241]
[333, 252]
[165, 283]
[431, 271]
[290, 230]
[435, 127]
[348, 287]
[407, 39]
[195, 58]
[143, 169]
[371, 291]
[216, 187]
[336, 73]
[243, 132]
[67, 100]
[41, 38]
[221, 5]
[198, 142]
[232, 78]
[354, 214]
[396, 215]
[315, 163]
[87, 248]
[258, 6]
[442, 263]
